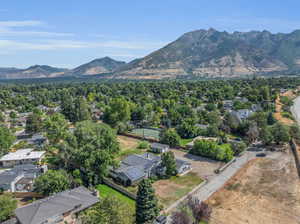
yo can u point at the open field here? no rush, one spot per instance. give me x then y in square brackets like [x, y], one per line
[266, 190]
[171, 190]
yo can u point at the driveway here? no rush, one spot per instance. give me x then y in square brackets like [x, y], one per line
[204, 167]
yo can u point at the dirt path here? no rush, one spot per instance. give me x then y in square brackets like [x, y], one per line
[278, 106]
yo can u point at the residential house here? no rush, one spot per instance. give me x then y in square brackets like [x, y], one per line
[20, 178]
[61, 208]
[22, 156]
[227, 104]
[37, 139]
[135, 167]
[241, 115]
[159, 148]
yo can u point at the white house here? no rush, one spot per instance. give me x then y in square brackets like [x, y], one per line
[22, 156]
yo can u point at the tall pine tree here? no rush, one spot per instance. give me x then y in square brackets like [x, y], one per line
[146, 203]
[169, 162]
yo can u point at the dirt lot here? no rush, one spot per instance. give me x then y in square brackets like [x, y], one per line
[127, 142]
[265, 191]
[202, 166]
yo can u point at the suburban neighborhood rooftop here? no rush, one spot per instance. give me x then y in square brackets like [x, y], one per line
[22, 154]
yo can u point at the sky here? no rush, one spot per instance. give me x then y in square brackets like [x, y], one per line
[67, 33]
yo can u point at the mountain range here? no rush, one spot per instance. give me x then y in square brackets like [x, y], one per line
[202, 53]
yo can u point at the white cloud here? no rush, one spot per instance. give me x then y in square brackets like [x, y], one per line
[12, 45]
[10, 29]
[10, 24]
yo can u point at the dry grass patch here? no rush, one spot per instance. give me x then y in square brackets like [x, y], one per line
[264, 191]
[171, 190]
[127, 142]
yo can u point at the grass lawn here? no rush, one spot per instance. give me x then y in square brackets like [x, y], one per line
[171, 190]
[105, 190]
[184, 142]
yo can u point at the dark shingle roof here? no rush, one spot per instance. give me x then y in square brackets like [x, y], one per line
[38, 212]
[134, 173]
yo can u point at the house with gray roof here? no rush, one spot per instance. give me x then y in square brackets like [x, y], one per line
[22, 156]
[135, 167]
[159, 148]
[62, 207]
[20, 178]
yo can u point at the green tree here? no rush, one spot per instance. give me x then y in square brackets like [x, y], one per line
[51, 182]
[117, 111]
[146, 203]
[187, 128]
[13, 115]
[271, 119]
[295, 132]
[56, 127]
[91, 149]
[212, 131]
[82, 111]
[110, 210]
[6, 139]
[238, 147]
[7, 206]
[34, 123]
[266, 135]
[170, 137]
[169, 162]
[280, 133]
[2, 117]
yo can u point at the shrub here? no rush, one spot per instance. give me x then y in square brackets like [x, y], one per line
[143, 145]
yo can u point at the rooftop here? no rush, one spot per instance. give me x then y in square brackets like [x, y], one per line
[50, 208]
[22, 154]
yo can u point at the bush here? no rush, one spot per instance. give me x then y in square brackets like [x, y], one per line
[170, 137]
[7, 206]
[143, 145]
[212, 150]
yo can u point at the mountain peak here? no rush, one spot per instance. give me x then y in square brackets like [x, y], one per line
[98, 66]
[211, 53]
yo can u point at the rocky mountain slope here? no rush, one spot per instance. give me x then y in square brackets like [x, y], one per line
[210, 53]
[97, 66]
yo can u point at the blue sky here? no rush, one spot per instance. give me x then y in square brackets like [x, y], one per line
[68, 33]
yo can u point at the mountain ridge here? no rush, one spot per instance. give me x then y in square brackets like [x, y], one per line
[211, 53]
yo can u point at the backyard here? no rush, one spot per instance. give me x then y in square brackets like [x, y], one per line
[128, 146]
[170, 190]
[105, 190]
